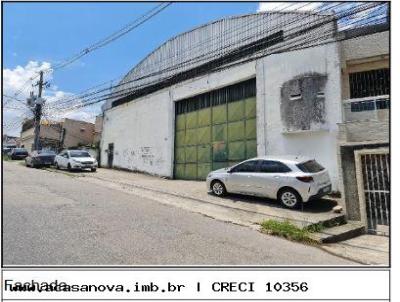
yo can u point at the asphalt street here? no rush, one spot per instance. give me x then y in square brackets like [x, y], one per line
[52, 218]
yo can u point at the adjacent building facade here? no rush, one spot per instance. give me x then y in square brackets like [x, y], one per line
[49, 136]
[56, 136]
[204, 109]
[11, 141]
[363, 141]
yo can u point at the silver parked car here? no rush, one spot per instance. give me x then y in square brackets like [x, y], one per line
[75, 160]
[290, 179]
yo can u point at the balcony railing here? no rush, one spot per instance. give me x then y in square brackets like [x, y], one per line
[368, 108]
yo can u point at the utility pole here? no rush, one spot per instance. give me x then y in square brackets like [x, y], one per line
[38, 112]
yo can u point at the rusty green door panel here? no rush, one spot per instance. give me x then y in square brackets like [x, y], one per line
[180, 171]
[236, 111]
[219, 133]
[237, 150]
[191, 120]
[203, 170]
[236, 131]
[204, 154]
[180, 122]
[251, 132]
[191, 171]
[250, 107]
[216, 132]
[219, 114]
[180, 155]
[204, 117]
[219, 151]
[204, 135]
[251, 149]
[191, 154]
[180, 138]
[191, 137]
[219, 165]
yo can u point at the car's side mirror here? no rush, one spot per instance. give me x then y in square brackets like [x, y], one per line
[230, 171]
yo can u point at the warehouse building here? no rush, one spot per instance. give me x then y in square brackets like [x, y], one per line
[208, 102]
[253, 85]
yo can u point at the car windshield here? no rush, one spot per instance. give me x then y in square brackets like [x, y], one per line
[46, 152]
[20, 151]
[310, 166]
[79, 154]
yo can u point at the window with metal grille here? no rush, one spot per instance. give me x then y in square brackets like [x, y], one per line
[369, 83]
[217, 97]
[370, 105]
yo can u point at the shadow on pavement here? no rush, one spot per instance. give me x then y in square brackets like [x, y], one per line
[312, 206]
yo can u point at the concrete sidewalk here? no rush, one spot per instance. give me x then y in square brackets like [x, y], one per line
[256, 208]
[243, 210]
[365, 249]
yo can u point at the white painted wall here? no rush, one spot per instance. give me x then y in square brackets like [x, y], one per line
[143, 130]
[365, 46]
[140, 133]
[273, 71]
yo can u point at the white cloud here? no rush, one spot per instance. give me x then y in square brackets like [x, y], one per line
[288, 6]
[19, 80]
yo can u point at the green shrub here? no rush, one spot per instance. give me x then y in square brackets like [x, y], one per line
[288, 230]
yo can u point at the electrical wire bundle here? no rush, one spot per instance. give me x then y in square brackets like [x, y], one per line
[215, 53]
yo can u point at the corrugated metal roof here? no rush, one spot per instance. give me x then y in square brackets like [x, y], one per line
[210, 41]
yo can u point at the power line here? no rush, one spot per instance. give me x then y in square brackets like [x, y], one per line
[190, 49]
[121, 93]
[210, 55]
[348, 13]
[101, 43]
[114, 36]
[301, 45]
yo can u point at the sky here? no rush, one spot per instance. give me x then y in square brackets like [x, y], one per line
[39, 35]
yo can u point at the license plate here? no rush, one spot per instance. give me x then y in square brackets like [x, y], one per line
[47, 163]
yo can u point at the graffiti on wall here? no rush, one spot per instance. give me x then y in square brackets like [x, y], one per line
[135, 158]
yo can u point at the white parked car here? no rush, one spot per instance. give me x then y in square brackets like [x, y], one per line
[75, 160]
[290, 179]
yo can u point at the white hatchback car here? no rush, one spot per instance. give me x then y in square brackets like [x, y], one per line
[290, 179]
[75, 160]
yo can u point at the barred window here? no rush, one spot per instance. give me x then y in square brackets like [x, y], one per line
[217, 97]
[369, 83]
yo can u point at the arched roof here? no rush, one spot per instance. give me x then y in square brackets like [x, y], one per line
[210, 41]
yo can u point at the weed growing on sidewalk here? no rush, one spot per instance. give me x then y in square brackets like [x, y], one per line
[289, 231]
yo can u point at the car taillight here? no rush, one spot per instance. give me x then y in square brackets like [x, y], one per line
[305, 178]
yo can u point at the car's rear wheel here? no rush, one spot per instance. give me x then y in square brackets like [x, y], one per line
[289, 198]
[93, 169]
[57, 166]
[218, 188]
[69, 167]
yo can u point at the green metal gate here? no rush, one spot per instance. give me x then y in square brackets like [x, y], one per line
[215, 130]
